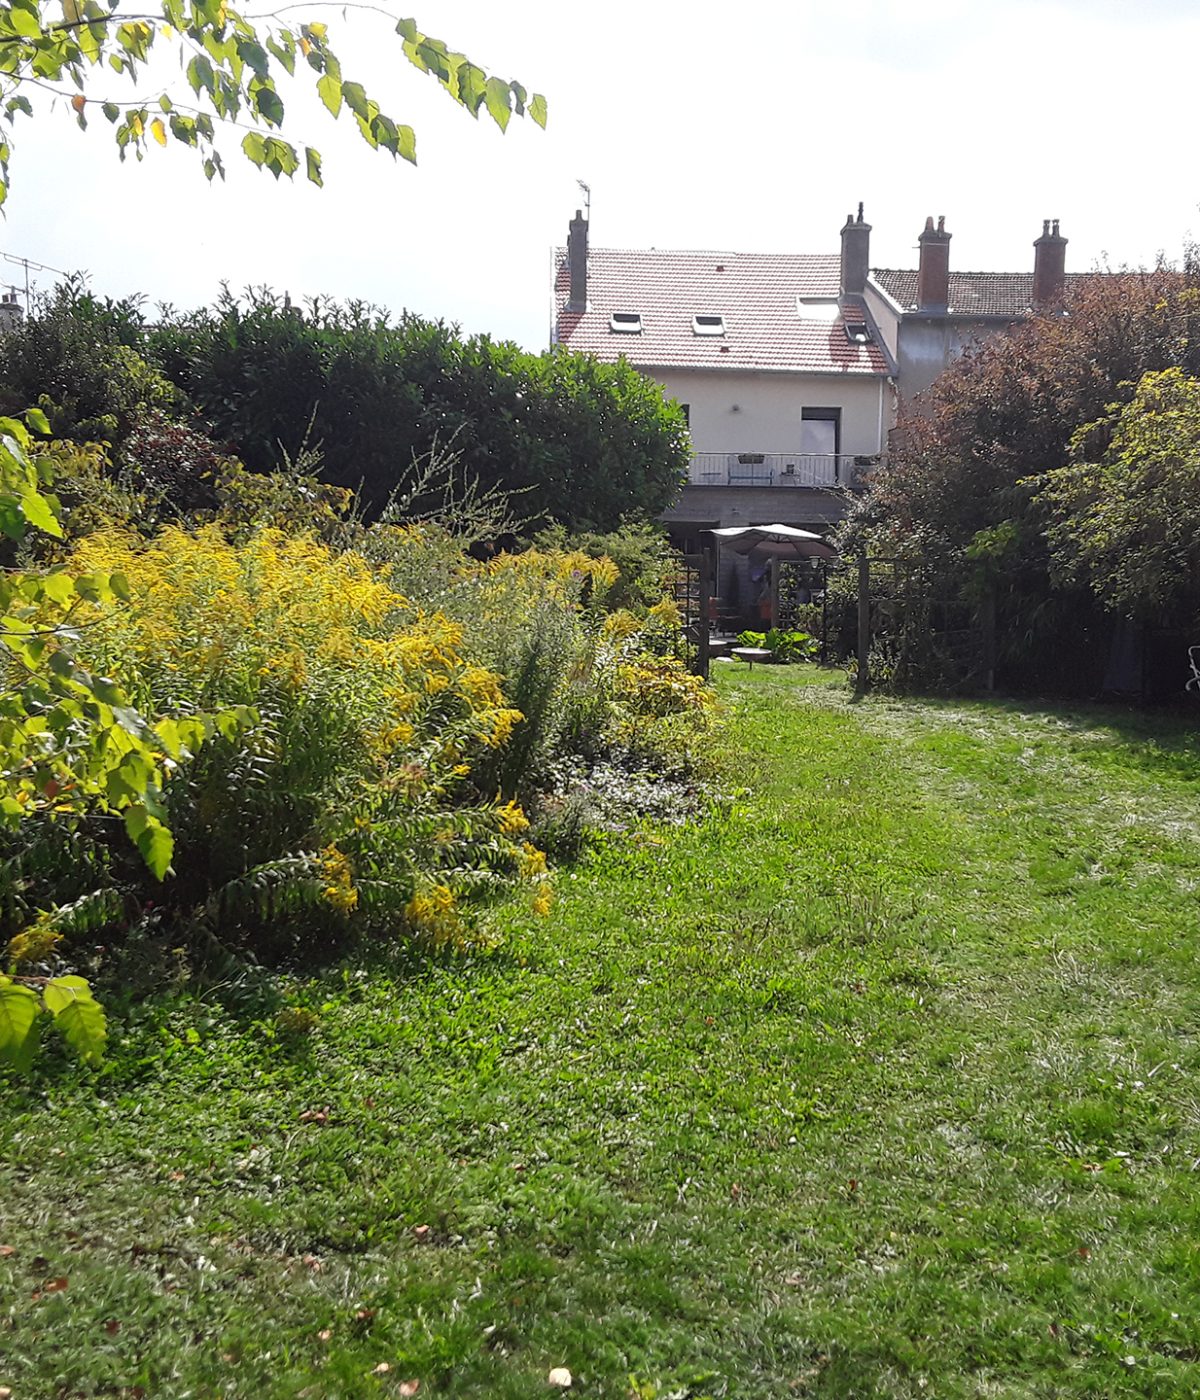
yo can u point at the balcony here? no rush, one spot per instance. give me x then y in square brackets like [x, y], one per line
[805, 469]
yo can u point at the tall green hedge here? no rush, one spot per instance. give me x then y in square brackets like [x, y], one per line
[587, 443]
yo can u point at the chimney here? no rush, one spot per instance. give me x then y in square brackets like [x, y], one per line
[10, 312]
[1049, 267]
[577, 257]
[933, 276]
[856, 255]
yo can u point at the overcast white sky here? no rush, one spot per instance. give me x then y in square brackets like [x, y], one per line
[753, 127]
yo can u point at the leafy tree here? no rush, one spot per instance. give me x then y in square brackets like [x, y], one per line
[1126, 520]
[585, 443]
[960, 487]
[233, 64]
[80, 359]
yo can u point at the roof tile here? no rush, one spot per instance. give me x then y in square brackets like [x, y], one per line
[755, 292]
[971, 293]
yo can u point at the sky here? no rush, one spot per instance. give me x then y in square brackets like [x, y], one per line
[751, 128]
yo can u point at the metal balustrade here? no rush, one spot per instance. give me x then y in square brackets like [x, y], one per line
[811, 469]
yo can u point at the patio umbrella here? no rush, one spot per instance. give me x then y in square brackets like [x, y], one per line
[786, 542]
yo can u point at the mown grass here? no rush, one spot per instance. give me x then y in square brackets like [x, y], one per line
[880, 1082]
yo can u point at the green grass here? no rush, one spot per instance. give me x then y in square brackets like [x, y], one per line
[882, 1083]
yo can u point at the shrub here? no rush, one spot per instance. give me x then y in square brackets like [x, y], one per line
[339, 809]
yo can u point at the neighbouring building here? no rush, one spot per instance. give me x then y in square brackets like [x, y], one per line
[790, 366]
[926, 318]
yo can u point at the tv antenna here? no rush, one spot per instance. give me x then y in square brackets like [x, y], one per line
[30, 266]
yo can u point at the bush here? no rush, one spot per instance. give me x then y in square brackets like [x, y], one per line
[339, 811]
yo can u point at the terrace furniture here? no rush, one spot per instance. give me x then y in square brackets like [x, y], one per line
[751, 654]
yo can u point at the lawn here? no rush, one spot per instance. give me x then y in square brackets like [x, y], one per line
[881, 1080]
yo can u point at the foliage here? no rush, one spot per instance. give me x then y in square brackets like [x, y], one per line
[638, 549]
[1125, 513]
[81, 359]
[233, 65]
[340, 808]
[783, 644]
[959, 488]
[568, 438]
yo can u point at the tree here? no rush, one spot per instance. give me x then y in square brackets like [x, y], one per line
[1126, 520]
[233, 62]
[960, 487]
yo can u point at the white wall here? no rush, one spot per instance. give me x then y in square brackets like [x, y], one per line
[767, 413]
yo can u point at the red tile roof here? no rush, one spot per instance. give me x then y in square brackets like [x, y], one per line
[1007, 294]
[755, 292]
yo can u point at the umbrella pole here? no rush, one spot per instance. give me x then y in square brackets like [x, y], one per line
[774, 592]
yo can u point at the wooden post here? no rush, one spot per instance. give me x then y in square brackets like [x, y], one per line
[704, 623]
[864, 622]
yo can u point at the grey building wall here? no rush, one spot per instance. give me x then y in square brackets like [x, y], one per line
[926, 345]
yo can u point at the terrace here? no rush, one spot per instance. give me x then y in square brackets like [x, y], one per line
[801, 469]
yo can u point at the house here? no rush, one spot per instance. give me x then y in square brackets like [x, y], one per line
[787, 389]
[790, 366]
[926, 318]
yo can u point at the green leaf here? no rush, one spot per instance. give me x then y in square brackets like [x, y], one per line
[330, 90]
[80, 1017]
[537, 110]
[268, 104]
[38, 421]
[498, 97]
[254, 57]
[407, 29]
[24, 20]
[38, 512]
[154, 842]
[312, 161]
[19, 1009]
[255, 147]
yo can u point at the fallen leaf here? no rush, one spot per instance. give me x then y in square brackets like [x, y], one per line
[177, 1176]
[409, 1387]
[312, 1262]
[1084, 1252]
[5, 1393]
[382, 1369]
[324, 1334]
[420, 1233]
[734, 1191]
[6, 1250]
[365, 1315]
[112, 1326]
[853, 1183]
[560, 1377]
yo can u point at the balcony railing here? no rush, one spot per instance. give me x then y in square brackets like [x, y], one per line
[812, 469]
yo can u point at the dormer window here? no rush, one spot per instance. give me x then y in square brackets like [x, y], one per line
[708, 325]
[626, 322]
[857, 332]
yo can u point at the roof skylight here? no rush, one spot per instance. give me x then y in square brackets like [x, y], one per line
[708, 325]
[818, 308]
[626, 322]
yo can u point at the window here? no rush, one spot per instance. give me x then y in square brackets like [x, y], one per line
[820, 431]
[626, 322]
[708, 325]
[857, 332]
[818, 308]
[687, 413]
